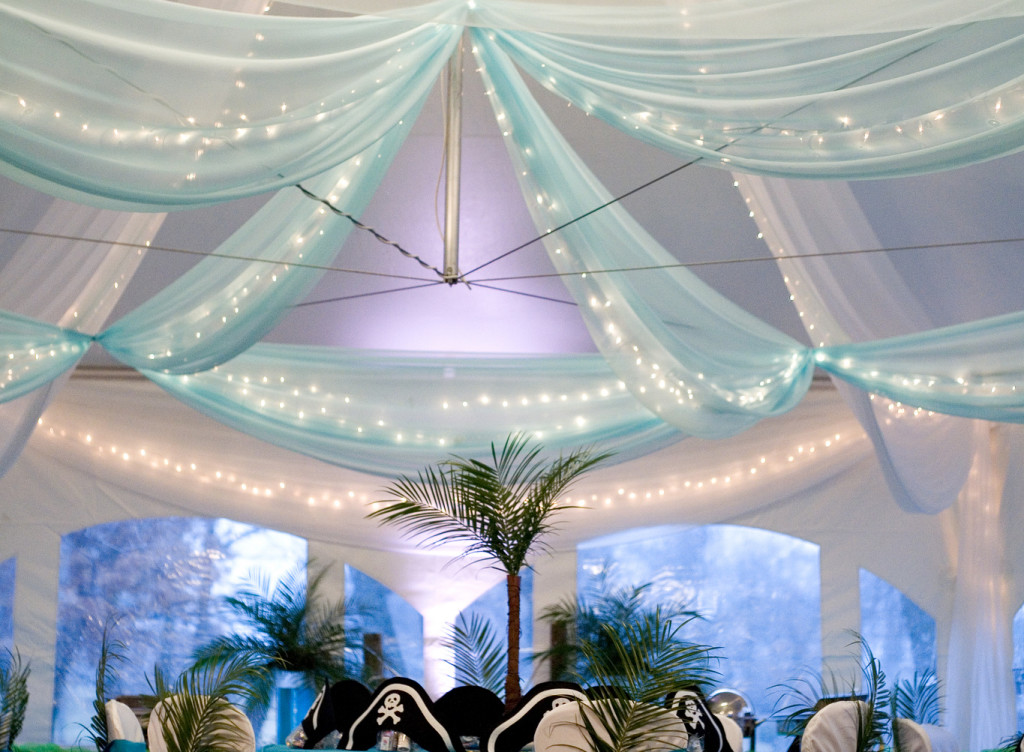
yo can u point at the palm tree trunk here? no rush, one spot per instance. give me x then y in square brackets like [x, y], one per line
[512, 691]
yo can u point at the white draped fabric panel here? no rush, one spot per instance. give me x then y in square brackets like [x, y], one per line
[856, 298]
[71, 283]
[979, 683]
[929, 460]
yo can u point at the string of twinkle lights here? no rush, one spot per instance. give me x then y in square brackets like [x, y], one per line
[138, 455]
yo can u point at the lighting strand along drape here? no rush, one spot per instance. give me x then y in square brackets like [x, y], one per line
[839, 107]
[157, 105]
[707, 368]
[66, 282]
[722, 19]
[692, 357]
[224, 105]
[695, 359]
[390, 413]
[925, 456]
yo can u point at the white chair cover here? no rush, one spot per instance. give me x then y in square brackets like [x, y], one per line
[122, 723]
[912, 736]
[834, 727]
[562, 730]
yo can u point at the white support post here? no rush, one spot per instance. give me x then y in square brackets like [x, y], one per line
[453, 166]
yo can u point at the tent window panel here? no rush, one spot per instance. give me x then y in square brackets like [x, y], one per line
[375, 609]
[7, 573]
[1018, 664]
[759, 594]
[164, 580]
[899, 632]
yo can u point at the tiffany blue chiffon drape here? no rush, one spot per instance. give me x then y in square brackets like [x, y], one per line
[339, 93]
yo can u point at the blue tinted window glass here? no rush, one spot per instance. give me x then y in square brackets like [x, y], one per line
[7, 572]
[900, 634]
[759, 594]
[378, 609]
[164, 582]
[1018, 664]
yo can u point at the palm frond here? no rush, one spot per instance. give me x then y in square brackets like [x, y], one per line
[111, 653]
[918, 698]
[291, 628]
[197, 712]
[479, 655]
[807, 695]
[498, 511]
[644, 661]
[13, 697]
[588, 619]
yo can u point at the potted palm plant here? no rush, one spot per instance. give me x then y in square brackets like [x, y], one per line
[501, 510]
[869, 692]
[639, 663]
[585, 626]
[291, 630]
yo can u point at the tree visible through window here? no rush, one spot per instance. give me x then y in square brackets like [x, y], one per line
[7, 571]
[379, 610]
[164, 581]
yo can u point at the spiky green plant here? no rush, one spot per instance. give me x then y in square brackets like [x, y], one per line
[111, 653]
[197, 711]
[501, 511]
[13, 697]
[290, 628]
[808, 695]
[586, 620]
[644, 661]
[918, 698]
[478, 653]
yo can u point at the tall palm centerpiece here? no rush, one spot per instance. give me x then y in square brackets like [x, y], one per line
[501, 510]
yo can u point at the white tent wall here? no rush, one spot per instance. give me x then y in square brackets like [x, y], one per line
[85, 466]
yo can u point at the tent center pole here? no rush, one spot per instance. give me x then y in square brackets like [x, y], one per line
[453, 166]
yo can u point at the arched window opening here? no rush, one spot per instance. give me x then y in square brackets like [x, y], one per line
[758, 594]
[163, 582]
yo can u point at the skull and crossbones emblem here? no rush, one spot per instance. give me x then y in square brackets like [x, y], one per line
[390, 709]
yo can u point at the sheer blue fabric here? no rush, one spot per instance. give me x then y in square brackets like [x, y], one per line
[974, 370]
[696, 360]
[385, 412]
[839, 107]
[35, 353]
[160, 105]
[230, 300]
[103, 114]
